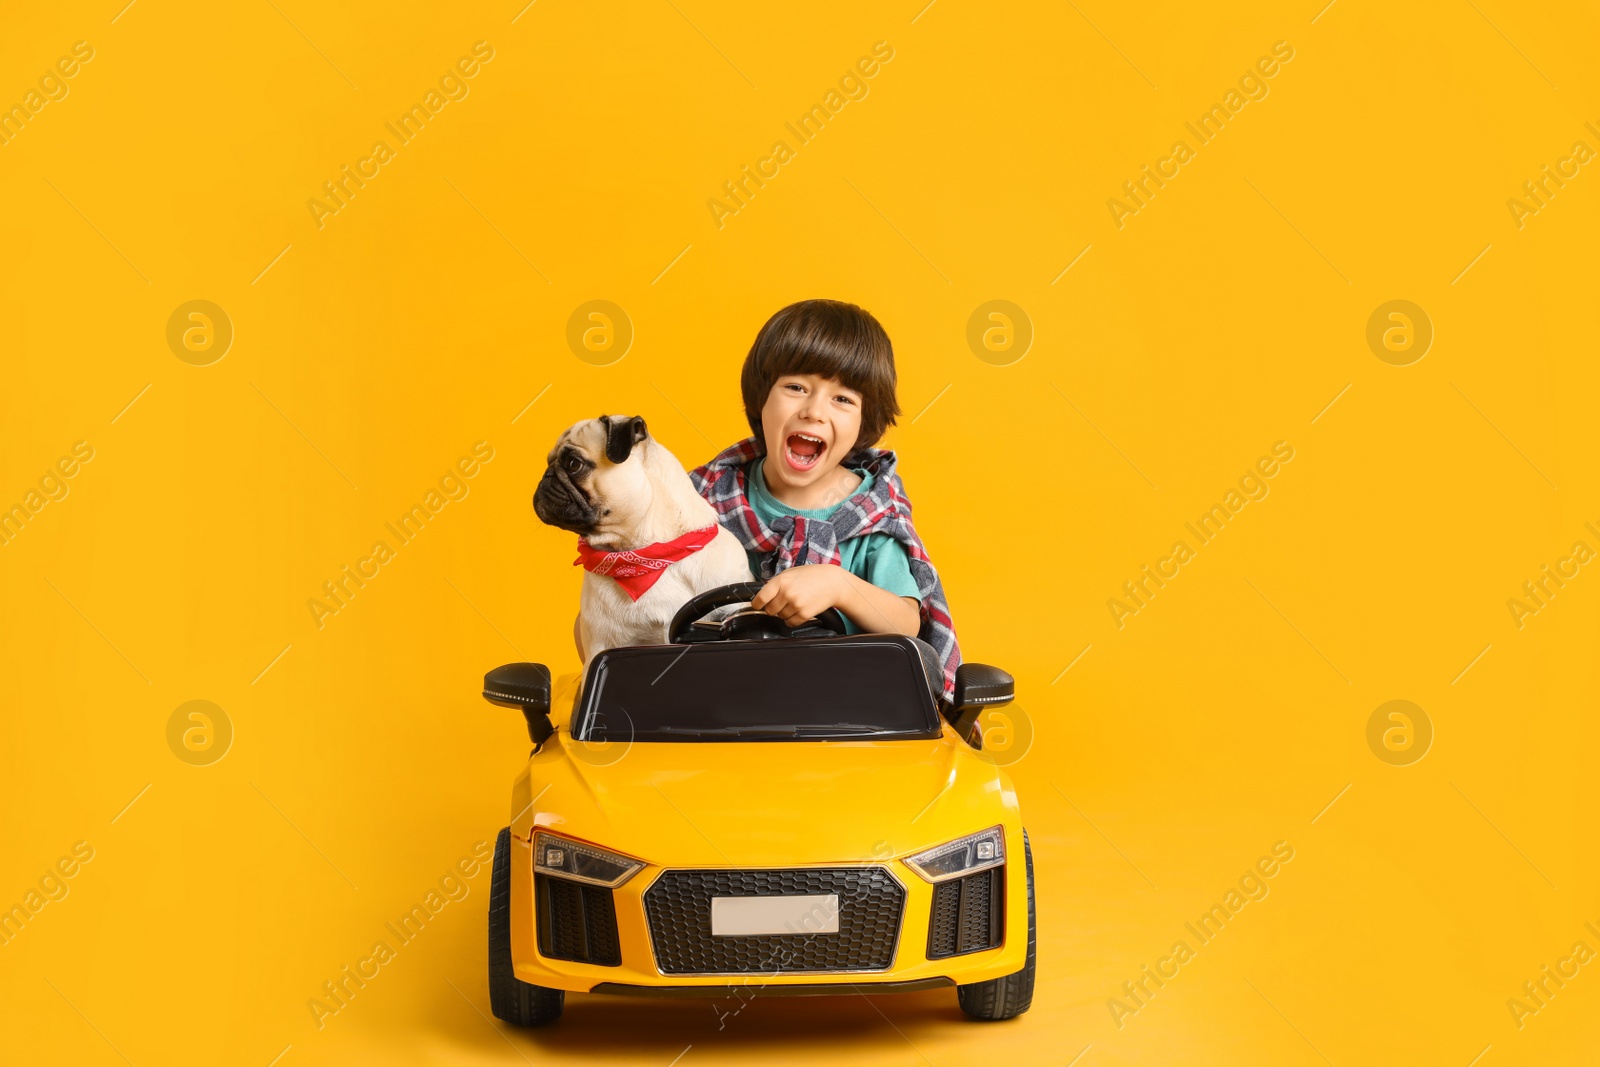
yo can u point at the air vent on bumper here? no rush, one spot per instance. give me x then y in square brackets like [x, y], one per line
[576, 922]
[968, 914]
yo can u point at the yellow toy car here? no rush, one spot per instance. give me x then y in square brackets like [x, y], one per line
[754, 809]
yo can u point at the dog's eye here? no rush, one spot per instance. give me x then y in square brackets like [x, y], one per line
[574, 464]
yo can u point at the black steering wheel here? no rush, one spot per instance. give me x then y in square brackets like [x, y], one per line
[745, 625]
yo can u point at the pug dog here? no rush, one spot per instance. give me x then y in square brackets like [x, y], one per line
[647, 540]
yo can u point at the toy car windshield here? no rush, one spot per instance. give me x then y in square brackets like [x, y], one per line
[851, 688]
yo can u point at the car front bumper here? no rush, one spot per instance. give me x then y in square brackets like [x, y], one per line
[641, 972]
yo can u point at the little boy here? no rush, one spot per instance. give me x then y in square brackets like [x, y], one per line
[821, 513]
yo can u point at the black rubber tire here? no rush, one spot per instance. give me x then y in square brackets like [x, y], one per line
[1010, 995]
[517, 1002]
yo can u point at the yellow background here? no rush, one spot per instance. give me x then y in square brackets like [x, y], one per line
[426, 315]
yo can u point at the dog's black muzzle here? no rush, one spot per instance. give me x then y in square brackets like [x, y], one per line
[561, 504]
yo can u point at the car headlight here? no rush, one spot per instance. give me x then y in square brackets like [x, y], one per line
[961, 857]
[565, 858]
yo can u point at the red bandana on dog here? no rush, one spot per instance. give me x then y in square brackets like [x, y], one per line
[636, 569]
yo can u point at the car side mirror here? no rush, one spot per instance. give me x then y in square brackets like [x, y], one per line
[978, 686]
[526, 687]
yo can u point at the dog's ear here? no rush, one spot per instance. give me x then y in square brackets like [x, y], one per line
[622, 435]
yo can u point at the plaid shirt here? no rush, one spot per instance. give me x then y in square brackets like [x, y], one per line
[793, 540]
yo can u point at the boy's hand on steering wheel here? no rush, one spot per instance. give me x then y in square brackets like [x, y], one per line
[804, 592]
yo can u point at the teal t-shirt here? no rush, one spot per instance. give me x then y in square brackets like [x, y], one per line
[875, 557]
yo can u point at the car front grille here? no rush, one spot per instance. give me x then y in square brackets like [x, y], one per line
[576, 922]
[968, 914]
[678, 907]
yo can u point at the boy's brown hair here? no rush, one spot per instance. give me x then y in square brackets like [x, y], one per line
[831, 338]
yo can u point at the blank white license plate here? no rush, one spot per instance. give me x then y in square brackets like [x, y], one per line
[747, 916]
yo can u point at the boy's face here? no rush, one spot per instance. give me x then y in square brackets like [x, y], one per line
[810, 424]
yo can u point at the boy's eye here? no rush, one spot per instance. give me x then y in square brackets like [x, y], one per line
[845, 399]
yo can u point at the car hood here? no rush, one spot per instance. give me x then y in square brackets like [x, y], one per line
[763, 803]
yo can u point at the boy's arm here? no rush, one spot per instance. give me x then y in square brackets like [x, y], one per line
[804, 592]
[880, 611]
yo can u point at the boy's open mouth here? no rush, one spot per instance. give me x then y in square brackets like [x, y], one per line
[803, 451]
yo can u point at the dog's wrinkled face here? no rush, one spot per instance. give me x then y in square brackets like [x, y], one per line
[594, 480]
